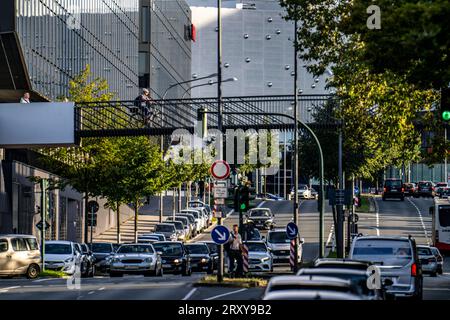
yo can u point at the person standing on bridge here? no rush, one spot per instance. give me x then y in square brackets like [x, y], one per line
[25, 98]
[235, 252]
[143, 102]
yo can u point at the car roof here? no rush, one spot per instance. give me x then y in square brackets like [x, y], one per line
[58, 242]
[17, 236]
[324, 271]
[341, 263]
[195, 243]
[164, 223]
[309, 295]
[277, 230]
[169, 242]
[387, 237]
[308, 280]
[255, 241]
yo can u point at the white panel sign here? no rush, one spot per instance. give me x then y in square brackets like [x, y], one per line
[220, 192]
[37, 124]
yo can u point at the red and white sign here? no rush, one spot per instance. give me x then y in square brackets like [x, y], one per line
[220, 169]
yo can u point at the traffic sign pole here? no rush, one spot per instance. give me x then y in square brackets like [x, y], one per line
[92, 222]
[220, 235]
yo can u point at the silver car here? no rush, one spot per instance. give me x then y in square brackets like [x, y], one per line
[259, 257]
[168, 230]
[439, 258]
[279, 245]
[397, 259]
[427, 260]
[310, 295]
[62, 256]
[19, 255]
[136, 259]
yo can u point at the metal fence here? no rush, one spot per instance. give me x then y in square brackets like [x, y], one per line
[162, 117]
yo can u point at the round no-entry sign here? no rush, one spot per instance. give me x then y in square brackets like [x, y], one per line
[220, 169]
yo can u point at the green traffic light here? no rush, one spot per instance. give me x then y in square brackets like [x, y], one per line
[242, 206]
[446, 115]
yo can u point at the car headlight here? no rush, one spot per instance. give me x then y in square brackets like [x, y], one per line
[68, 260]
[176, 261]
[148, 260]
[265, 259]
[113, 260]
[203, 260]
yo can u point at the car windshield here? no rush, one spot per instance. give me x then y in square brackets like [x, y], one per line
[178, 225]
[359, 281]
[253, 234]
[384, 252]
[212, 247]
[194, 213]
[256, 247]
[278, 237]
[393, 183]
[135, 249]
[444, 216]
[424, 251]
[424, 184]
[197, 249]
[102, 247]
[165, 228]
[58, 248]
[170, 249]
[259, 213]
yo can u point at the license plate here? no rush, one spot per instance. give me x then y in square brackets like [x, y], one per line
[393, 189]
[166, 265]
[252, 266]
[131, 267]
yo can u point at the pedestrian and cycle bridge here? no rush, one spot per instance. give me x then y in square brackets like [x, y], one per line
[63, 124]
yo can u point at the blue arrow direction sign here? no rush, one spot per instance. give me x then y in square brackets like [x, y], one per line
[291, 230]
[220, 234]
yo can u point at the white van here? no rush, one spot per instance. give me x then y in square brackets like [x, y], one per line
[19, 255]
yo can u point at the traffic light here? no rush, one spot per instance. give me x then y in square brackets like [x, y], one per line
[445, 104]
[244, 198]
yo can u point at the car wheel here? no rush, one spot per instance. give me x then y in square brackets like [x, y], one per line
[33, 271]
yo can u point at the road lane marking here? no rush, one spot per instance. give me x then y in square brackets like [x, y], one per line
[377, 217]
[9, 288]
[190, 293]
[225, 294]
[91, 292]
[330, 235]
[421, 220]
[42, 280]
[101, 289]
[436, 289]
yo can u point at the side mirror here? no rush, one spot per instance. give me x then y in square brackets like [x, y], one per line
[159, 253]
[302, 240]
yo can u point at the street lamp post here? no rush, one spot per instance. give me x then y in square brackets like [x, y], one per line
[209, 83]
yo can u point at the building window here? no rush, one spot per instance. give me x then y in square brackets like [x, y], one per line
[145, 24]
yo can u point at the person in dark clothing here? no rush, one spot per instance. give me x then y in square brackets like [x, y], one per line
[235, 252]
[143, 102]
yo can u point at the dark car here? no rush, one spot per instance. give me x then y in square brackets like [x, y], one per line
[393, 188]
[175, 257]
[101, 252]
[213, 252]
[341, 264]
[200, 257]
[90, 260]
[410, 189]
[425, 189]
[443, 192]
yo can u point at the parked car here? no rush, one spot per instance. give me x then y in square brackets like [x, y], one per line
[259, 256]
[136, 259]
[303, 192]
[439, 258]
[197, 204]
[62, 256]
[200, 257]
[410, 189]
[168, 230]
[89, 270]
[19, 255]
[310, 295]
[147, 239]
[428, 260]
[199, 221]
[279, 244]
[425, 189]
[397, 259]
[175, 257]
[182, 233]
[443, 192]
[192, 222]
[102, 251]
[261, 218]
[441, 184]
[188, 228]
[393, 188]
[358, 279]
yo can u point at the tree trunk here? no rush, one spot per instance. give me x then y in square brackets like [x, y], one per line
[86, 217]
[179, 199]
[136, 214]
[118, 223]
[174, 204]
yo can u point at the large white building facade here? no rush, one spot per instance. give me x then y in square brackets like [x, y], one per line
[257, 49]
